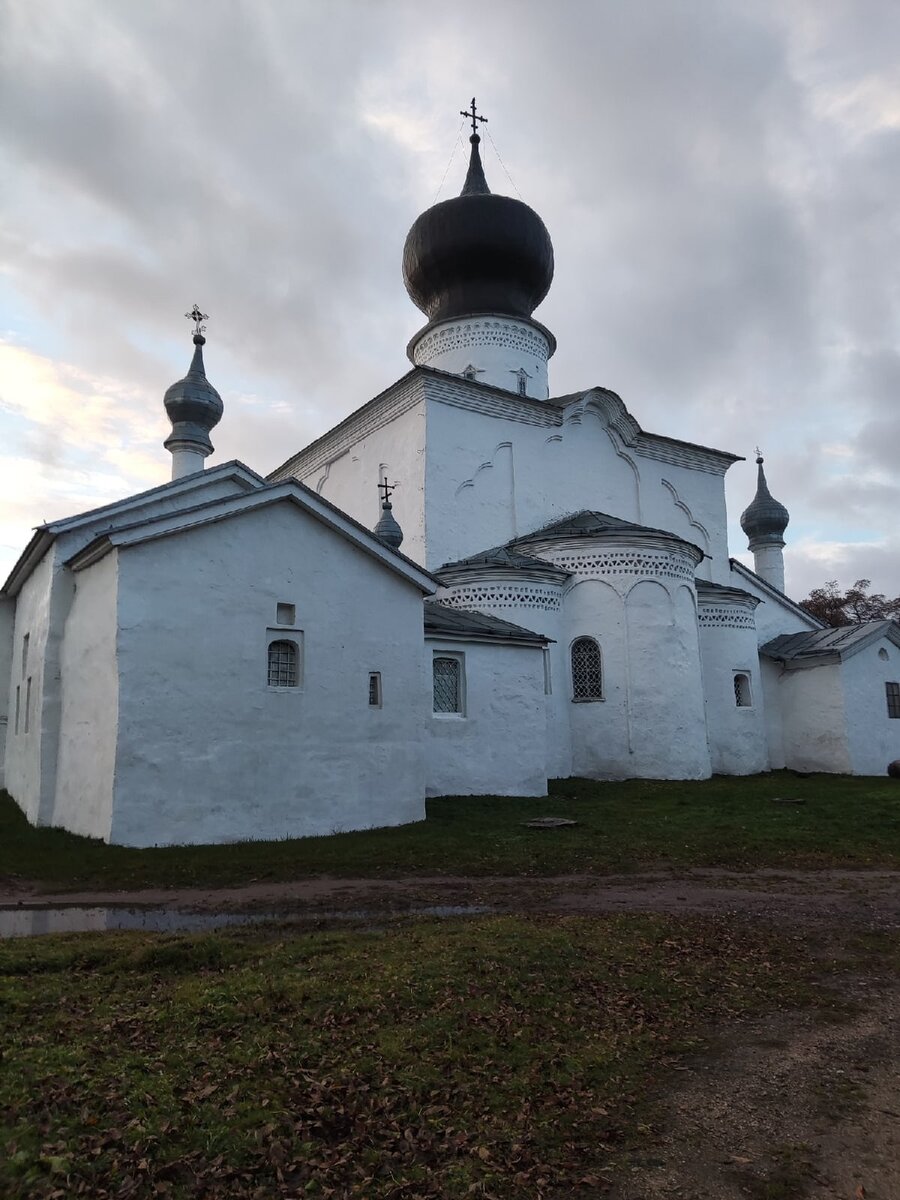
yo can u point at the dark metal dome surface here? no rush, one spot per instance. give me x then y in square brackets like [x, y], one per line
[193, 400]
[764, 519]
[478, 253]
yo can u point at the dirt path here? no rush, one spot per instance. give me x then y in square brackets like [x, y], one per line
[869, 898]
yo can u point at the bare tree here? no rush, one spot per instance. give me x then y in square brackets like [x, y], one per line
[853, 607]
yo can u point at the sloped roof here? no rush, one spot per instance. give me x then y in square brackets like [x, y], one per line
[589, 523]
[506, 556]
[721, 591]
[739, 568]
[829, 645]
[445, 622]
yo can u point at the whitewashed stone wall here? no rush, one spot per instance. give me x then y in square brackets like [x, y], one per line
[89, 704]
[873, 737]
[7, 631]
[814, 719]
[738, 742]
[260, 762]
[497, 746]
[497, 347]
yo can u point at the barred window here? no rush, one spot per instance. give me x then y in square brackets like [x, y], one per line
[375, 689]
[447, 685]
[587, 673]
[742, 695]
[283, 664]
[892, 691]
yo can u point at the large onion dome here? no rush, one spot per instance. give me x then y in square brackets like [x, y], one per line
[764, 520]
[478, 253]
[193, 405]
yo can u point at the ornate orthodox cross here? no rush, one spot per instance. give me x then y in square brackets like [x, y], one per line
[473, 117]
[387, 488]
[197, 317]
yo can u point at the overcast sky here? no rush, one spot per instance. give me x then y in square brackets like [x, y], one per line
[720, 181]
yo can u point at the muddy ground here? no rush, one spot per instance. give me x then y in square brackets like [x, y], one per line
[797, 1105]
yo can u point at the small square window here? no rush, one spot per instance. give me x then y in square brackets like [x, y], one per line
[375, 689]
[285, 614]
[892, 691]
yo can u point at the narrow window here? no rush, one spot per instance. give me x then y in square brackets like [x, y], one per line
[375, 689]
[587, 673]
[523, 383]
[447, 685]
[283, 664]
[25, 640]
[27, 703]
[18, 704]
[285, 614]
[742, 697]
[893, 699]
[548, 682]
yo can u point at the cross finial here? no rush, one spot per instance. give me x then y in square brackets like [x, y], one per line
[759, 456]
[197, 317]
[473, 117]
[387, 488]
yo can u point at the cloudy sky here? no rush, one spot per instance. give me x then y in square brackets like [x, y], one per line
[720, 181]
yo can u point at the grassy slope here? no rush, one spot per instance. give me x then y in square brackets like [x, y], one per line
[719, 822]
[492, 1058]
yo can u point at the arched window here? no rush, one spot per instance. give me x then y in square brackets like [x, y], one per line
[284, 664]
[447, 684]
[742, 695]
[587, 673]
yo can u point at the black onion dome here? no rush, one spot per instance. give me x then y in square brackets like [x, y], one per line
[478, 253]
[193, 401]
[764, 519]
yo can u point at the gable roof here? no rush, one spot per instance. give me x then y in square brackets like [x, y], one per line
[225, 508]
[829, 645]
[773, 593]
[462, 625]
[187, 488]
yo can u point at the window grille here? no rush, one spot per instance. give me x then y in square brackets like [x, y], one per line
[283, 664]
[742, 696]
[892, 691]
[587, 673]
[375, 689]
[446, 685]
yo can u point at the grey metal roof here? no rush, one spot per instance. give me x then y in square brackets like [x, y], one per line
[442, 621]
[765, 519]
[829, 645]
[724, 591]
[505, 556]
[591, 524]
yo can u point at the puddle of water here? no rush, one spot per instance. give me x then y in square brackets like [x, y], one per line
[31, 922]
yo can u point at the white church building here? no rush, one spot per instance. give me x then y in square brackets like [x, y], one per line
[228, 656]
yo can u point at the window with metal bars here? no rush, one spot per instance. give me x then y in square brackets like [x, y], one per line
[375, 689]
[892, 692]
[447, 684]
[587, 670]
[742, 695]
[284, 664]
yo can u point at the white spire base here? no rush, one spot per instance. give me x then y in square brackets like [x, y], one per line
[186, 462]
[768, 563]
[504, 352]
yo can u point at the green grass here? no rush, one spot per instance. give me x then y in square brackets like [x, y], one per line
[725, 822]
[495, 1058]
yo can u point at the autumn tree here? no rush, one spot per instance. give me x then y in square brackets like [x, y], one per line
[853, 607]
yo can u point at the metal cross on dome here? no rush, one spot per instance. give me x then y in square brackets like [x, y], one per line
[197, 317]
[388, 488]
[473, 117]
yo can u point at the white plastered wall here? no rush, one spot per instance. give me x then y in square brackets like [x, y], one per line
[738, 742]
[349, 477]
[490, 479]
[497, 746]
[873, 737]
[497, 347]
[814, 720]
[207, 751]
[88, 726]
[7, 630]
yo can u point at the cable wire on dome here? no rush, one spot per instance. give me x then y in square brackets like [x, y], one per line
[456, 145]
[503, 165]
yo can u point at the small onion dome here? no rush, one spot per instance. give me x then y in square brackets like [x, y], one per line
[478, 253]
[387, 530]
[193, 404]
[764, 520]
